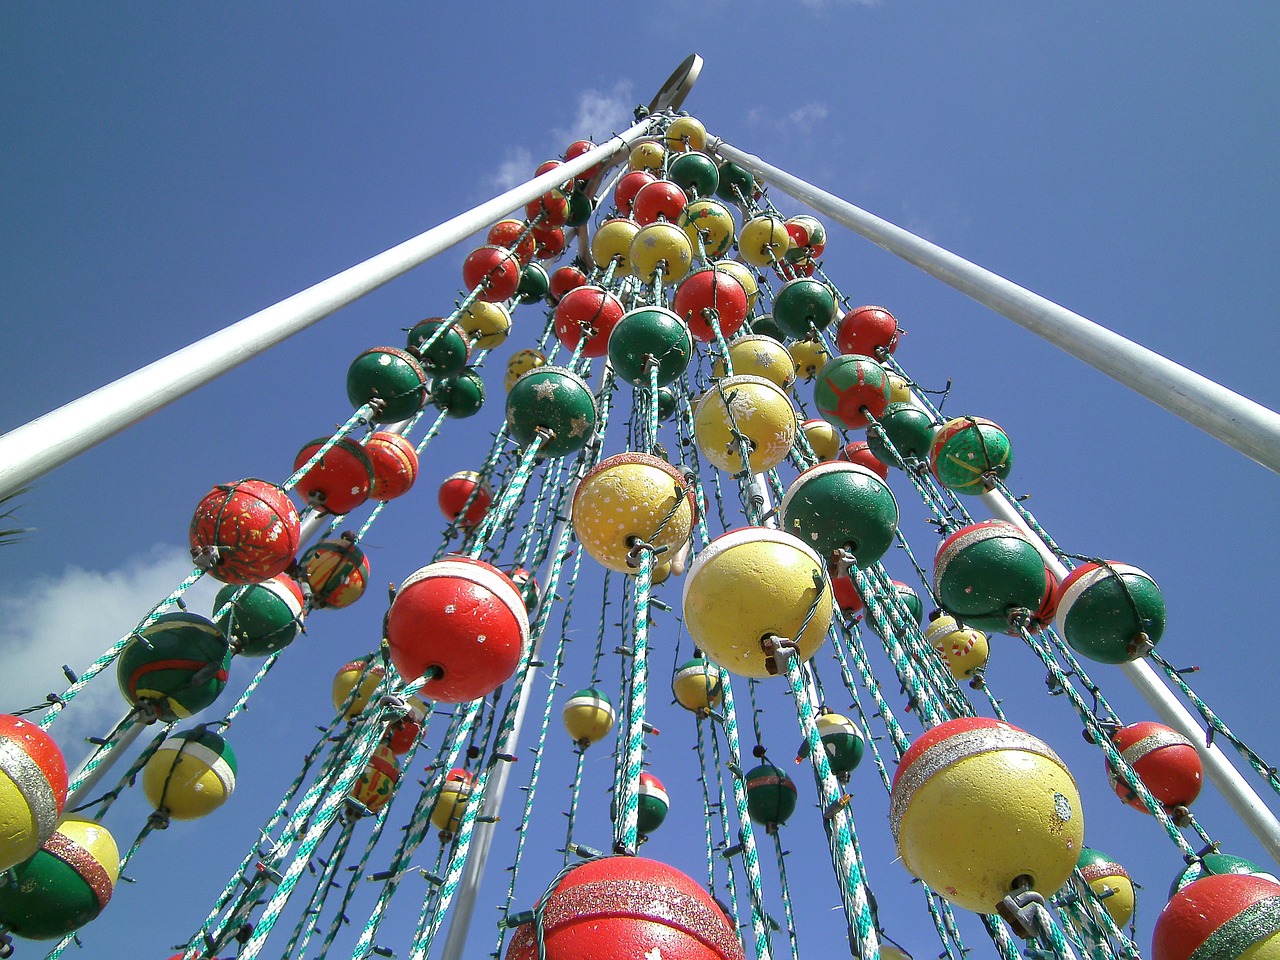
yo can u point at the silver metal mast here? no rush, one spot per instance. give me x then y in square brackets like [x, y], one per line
[1237, 421]
[33, 449]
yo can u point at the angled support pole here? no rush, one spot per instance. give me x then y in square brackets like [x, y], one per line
[1237, 421]
[33, 449]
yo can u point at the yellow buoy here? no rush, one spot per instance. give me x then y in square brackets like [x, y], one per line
[809, 356]
[698, 685]
[899, 389]
[823, 438]
[191, 775]
[345, 680]
[628, 498]
[744, 275]
[709, 226]
[521, 362]
[980, 809]
[1111, 882]
[647, 156]
[749, 406]
[664, 245]
[754, 582]
[686, 134]
[763, 240]
[759, 356]
[446, 815]
[588, 716]
[612, 243]
[964, 649]
[487, 324]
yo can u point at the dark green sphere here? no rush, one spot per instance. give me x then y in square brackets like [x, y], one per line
[459, 396]
[695, 174]
[580, 209]
[391, 375]
[447, 354]
[735, 183]
[555, 399]
[909, 429]
[655, 332]
[178, 664]
[771, 795]
[841, 505]
[803, 305]
[765, 326]
[534, 283]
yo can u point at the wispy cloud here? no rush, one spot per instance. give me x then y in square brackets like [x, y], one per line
[599, 114]
[802, 119]
[516, 167]
[71, 619]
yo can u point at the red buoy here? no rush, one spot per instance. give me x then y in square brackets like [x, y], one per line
[709, 293]
[624, 194]
[340, 480]
[495, 269]
[395, 464]
[251, 528]
[1165, 761]
[464, 620]
[589, 311]
[866, 330]
[457, 490]
[660, 200]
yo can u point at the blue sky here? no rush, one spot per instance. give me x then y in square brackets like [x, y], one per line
[166, 171]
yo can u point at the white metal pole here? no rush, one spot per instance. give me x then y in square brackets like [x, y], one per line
[33, 449]
[1239, 422]
[95, 775]
[1237, 791]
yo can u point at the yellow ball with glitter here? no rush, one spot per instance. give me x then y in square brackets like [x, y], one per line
[763, 240]
[698, 685]
[686, 134]
[899, 389]
[191, 775]
[486, 324]
[751, 583]
[759, 356]
[744, 275]
[824, 439]
[709, 226]
[809, 356]
[660, 245]
[1111, 882]
[647, 156]
[612, 243]
[588, 717]
[521, 362]
[964, 649]
[752, 407]
[980, 809]
[631, 498]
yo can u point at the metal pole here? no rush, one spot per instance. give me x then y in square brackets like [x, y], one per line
[33, 449]
[1238, 793]
[1237, 421]
[78, 797]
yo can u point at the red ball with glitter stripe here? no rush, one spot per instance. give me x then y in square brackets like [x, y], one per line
[1220, 918]
[628, 908]
[456, 494]
[33, 788]
[461, 620]
[251, 525]
[1165, 761]
[394, 462]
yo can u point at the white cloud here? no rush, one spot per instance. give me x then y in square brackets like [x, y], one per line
[804, 118]
[516, 168]
[601, 114]
[71, 619]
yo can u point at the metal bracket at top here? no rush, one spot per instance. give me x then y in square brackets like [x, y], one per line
[678, 85]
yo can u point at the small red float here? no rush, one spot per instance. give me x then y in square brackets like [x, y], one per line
[496, 270]
[464, 620]
[395, 465]
[564, 280]
[859, 452]
[866, 330]
[549, 210]
[660, 200]
[577, 149]
[624, 194]
[513, 235]
[1220, 916]
[340, 480]
[590, 310]
[707, 293]
[550, 242]
[249, 529]
[457, 490]
[1165, 761]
